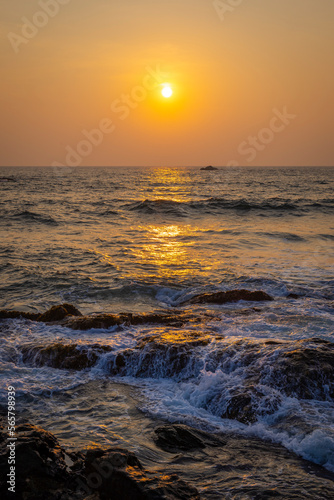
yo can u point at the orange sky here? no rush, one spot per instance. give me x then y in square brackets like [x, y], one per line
[235, 71]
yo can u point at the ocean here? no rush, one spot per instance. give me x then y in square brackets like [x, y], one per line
[160, 246]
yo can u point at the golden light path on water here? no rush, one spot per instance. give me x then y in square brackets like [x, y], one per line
[167, 243]
[165, 250]
[169, 249]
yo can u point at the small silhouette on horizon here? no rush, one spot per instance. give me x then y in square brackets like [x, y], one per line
[210, 167]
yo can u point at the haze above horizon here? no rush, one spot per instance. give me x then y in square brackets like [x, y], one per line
[84, 83]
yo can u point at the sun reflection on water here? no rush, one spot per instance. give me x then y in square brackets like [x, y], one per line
[167, 249]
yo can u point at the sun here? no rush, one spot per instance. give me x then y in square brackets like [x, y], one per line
[167, 91]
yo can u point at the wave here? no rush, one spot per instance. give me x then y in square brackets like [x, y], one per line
[282, 236]
[212, 205]
[269, 388]
[159, 206]
[327, 236]
[263, 370]
[27, 216]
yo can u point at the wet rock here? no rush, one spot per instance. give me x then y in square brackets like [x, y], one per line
[230, 296]
[240, 408]
[126, 319]
[176, 338]
[123, 477]
[69, 357]
[4, 314]
[156, 360]
[171, 354]
[303, 368]
[95, 321]
[307, 372]
[177, 437]
[46, 471]
[248, 403]
[120, 361]
[168, 353]
[69, 316]
[239, 467]
[40, 464]
[57, 313]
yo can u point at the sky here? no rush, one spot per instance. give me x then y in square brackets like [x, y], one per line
[81, 82]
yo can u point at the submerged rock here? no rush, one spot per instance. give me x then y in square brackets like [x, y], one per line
[229, 466]
[56, 313]
[230, 296]
[123, 478]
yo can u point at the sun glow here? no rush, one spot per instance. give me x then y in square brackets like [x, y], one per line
[167, 91]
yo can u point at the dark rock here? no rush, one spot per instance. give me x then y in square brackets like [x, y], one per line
[126, 319]
[210, 168]
[123, 475]
[157, 360]
[230, 296]
[4, 314]
[303, 369]
[57, 313]
[307, 372]
[169, 354]
[95, 321]
[120, 361]
[69, 357]
[69, 316]
[177, 437]
[293, 296]
[240, 408]
[235, 466]
[46, 471]
[40, 464]
[243, 404]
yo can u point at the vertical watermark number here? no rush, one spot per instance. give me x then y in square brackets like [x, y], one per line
[11, 439]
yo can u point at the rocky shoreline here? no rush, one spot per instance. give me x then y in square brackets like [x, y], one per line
[69, 316]
[244, 468]
[180, 462]
[271, 370]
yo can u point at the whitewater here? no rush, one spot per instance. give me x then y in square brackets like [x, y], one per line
[142, 254]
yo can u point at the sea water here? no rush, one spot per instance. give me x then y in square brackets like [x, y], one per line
[136, 240]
